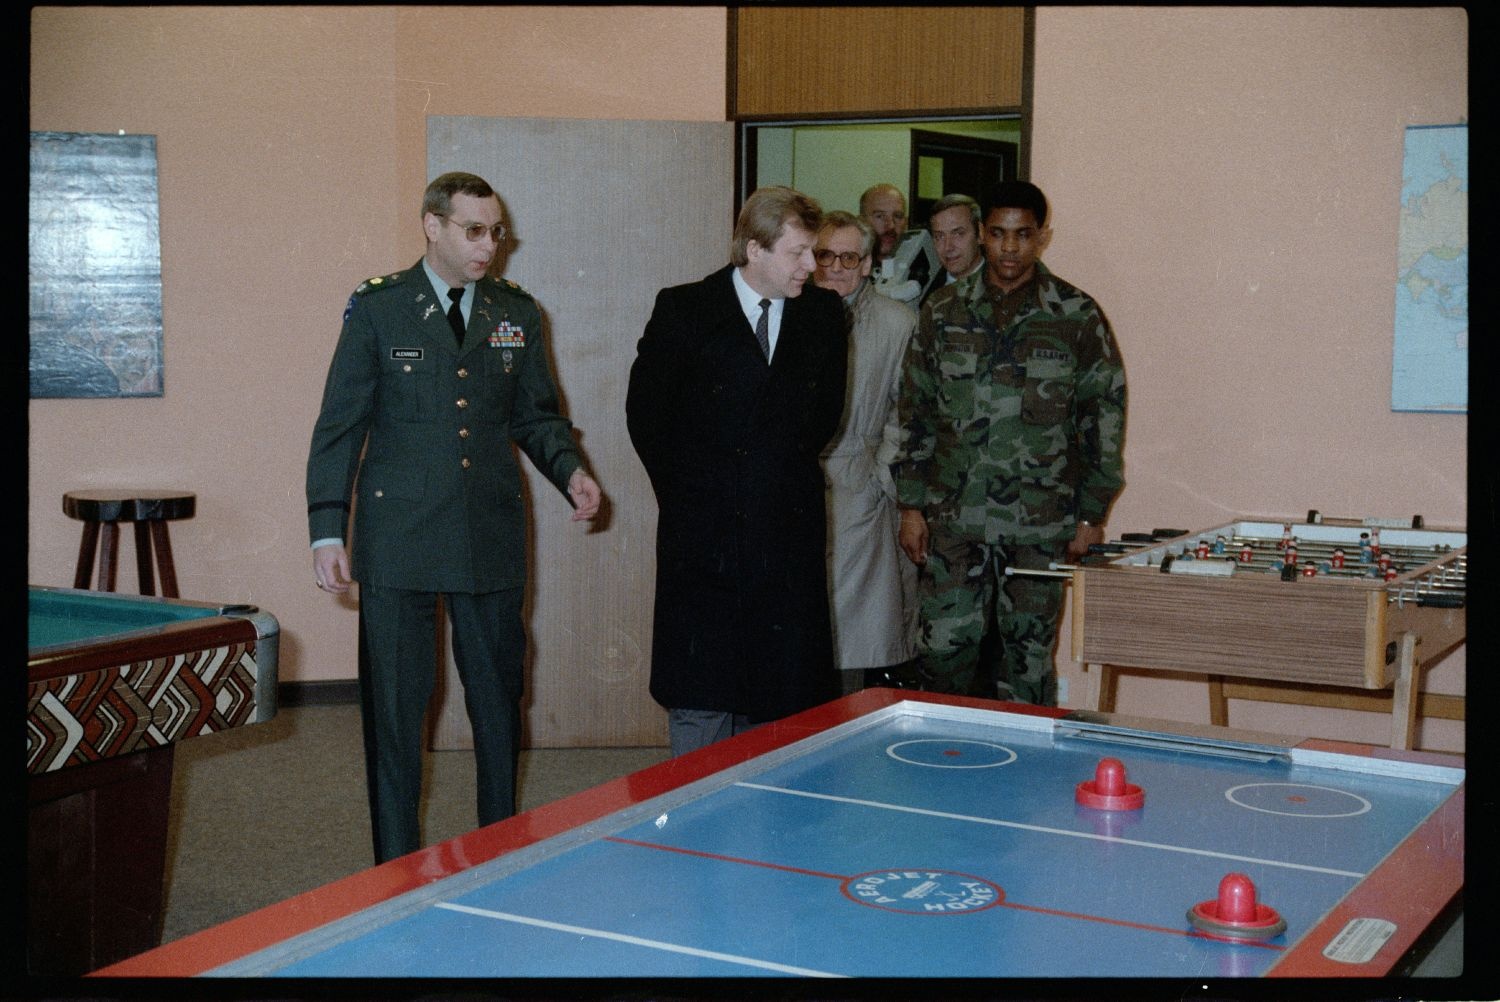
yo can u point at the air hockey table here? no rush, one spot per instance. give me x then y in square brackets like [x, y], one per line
[902, 834]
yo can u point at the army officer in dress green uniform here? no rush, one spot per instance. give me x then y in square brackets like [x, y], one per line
[438, 370]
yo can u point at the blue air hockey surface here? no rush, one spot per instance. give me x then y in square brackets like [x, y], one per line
[905, 835]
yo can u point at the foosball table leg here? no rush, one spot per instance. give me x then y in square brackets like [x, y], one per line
[1218, 705]
[1108, 687]
[1404, 694]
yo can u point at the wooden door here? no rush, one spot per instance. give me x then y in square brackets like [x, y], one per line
[602, 215]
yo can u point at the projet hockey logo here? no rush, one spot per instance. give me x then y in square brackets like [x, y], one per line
[923, 892]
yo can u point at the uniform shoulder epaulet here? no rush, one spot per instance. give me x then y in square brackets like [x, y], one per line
[381, 282]
[510, 286]
[370, 285]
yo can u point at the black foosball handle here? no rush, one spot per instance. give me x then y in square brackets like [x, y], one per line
[1442, 601]
[1315, 517]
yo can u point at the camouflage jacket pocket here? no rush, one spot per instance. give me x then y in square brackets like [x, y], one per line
[1047, 398]
[959, 354]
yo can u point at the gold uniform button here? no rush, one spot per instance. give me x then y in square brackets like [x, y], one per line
[464, 462]
[463, 433]
[406, 368]
[463, 373]
[380, 494]
[462, 403]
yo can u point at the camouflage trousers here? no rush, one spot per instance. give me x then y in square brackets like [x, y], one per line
[981, 633]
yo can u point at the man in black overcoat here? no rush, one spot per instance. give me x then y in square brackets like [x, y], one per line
[737, 386]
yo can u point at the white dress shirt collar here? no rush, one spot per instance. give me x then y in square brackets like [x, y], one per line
[441, 288]
[750, 303]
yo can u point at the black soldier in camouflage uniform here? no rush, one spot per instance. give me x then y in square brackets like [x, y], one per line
[1013, 414]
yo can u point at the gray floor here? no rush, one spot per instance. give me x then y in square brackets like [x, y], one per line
[265, 812]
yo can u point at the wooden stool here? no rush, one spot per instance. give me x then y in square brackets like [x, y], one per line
[150, 511]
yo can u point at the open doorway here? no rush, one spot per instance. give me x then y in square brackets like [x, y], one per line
[835, 161]
[945, 163]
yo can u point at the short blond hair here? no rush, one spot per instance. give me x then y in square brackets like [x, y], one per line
[764, 216]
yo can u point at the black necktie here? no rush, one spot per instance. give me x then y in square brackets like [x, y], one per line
[763, 328]
[456, 315]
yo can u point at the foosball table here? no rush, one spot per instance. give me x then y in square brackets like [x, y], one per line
[1304, 612]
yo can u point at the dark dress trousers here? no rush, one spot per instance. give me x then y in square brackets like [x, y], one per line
[437, 510]
[731, 444]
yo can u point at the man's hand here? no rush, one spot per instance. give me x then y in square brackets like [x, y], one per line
[1087, 535]
[331, 565]
[585, 495]
[913, 536]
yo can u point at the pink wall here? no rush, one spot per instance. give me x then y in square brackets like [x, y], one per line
[1224, 180]
[292, 155]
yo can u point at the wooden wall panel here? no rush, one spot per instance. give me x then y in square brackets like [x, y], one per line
[604, 214]
[867, 60]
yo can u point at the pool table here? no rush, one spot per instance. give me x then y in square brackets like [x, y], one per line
[113, 683]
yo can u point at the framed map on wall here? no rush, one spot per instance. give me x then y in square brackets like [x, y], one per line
[1430, 364]
[95, 266]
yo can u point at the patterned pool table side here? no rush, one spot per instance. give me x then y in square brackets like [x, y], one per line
[97, 714]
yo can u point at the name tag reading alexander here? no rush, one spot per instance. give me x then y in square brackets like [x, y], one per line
[408, 354]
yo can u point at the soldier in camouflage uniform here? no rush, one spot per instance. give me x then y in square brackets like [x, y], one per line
[1012, 412]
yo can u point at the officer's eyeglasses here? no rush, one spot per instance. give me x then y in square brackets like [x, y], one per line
[475, 231]
[848, 258]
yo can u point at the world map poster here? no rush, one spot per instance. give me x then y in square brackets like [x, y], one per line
[1430, 365]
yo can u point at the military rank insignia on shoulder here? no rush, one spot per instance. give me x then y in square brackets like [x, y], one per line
[513, 287]
[370, 285]
[380, 282]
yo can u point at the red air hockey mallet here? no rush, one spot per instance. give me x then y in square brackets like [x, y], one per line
[1235, 914]
[1108, 791]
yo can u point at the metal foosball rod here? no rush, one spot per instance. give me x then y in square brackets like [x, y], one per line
[1288, 555]
[1436, 589]
[1315, 517]
[1127, 543]
[1450, 594]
